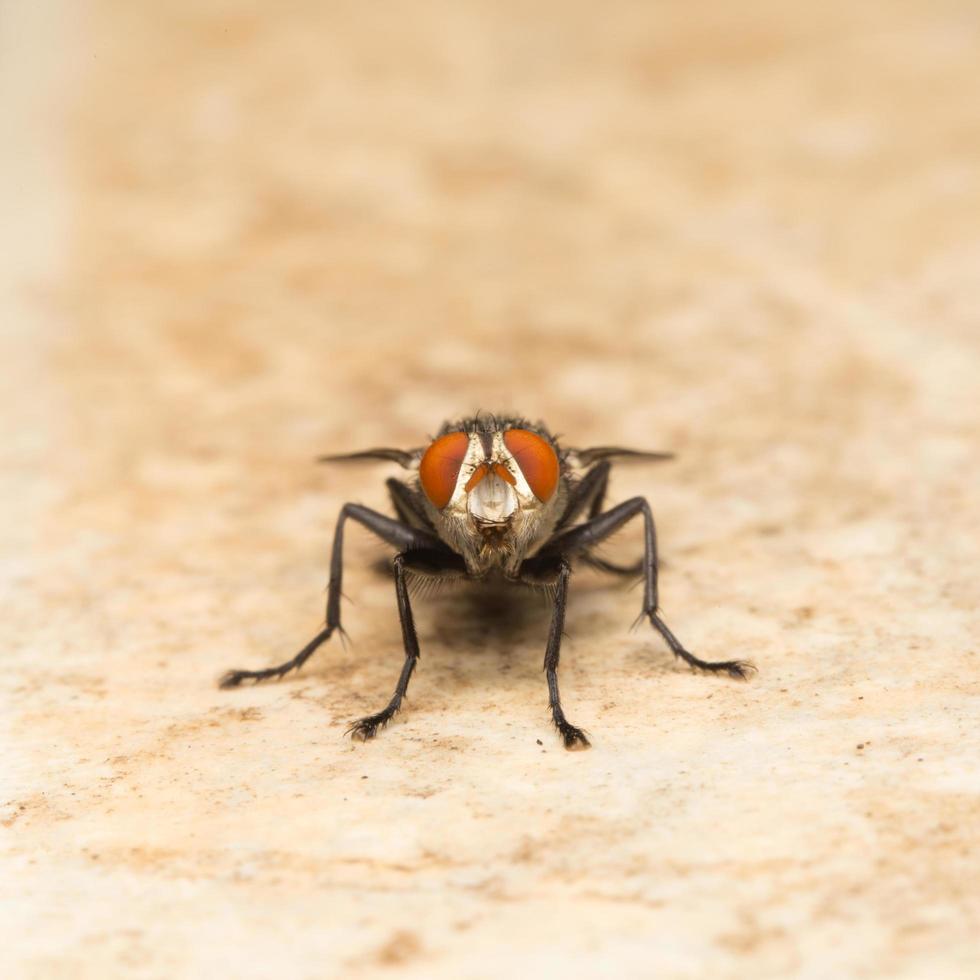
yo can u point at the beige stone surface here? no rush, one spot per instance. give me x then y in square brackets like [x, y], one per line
[236, 235]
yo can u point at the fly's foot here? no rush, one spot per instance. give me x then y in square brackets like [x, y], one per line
[232, 678]
[741, 670]
[574, 739]
[366, 728]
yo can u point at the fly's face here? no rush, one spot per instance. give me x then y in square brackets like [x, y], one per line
[493, 493]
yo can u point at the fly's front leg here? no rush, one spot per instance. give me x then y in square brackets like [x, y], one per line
[431, 563]
[591, 533]
[394, 532]
[555, 571]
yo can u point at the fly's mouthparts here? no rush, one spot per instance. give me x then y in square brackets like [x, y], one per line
[485, 525]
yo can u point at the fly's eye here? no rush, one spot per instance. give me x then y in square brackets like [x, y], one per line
[537, 460]
[439, 468]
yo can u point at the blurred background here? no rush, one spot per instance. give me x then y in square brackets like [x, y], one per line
[237, 235]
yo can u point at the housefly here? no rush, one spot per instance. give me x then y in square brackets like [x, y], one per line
[493, 497]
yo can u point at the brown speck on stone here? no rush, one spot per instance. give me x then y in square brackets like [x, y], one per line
[400, 948]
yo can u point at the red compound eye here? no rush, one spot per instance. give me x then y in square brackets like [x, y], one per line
[537, 460]
[440, 465]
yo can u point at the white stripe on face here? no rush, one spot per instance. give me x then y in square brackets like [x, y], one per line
[492, 500]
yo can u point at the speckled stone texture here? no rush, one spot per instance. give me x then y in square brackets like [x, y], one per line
[237, 235]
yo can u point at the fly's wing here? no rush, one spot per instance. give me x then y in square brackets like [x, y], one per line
[409, 460]
[586, 457]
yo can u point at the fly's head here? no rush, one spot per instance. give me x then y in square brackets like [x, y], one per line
[493, 489]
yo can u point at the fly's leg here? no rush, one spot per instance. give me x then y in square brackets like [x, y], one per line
[555, 571]
[232, 678]
[432, 563]
[592, 532]
[407, 505]
[627, 571]
[590, 494]
[574, 738]
[394, 532]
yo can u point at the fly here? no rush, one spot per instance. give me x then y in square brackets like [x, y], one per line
[495, 496]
